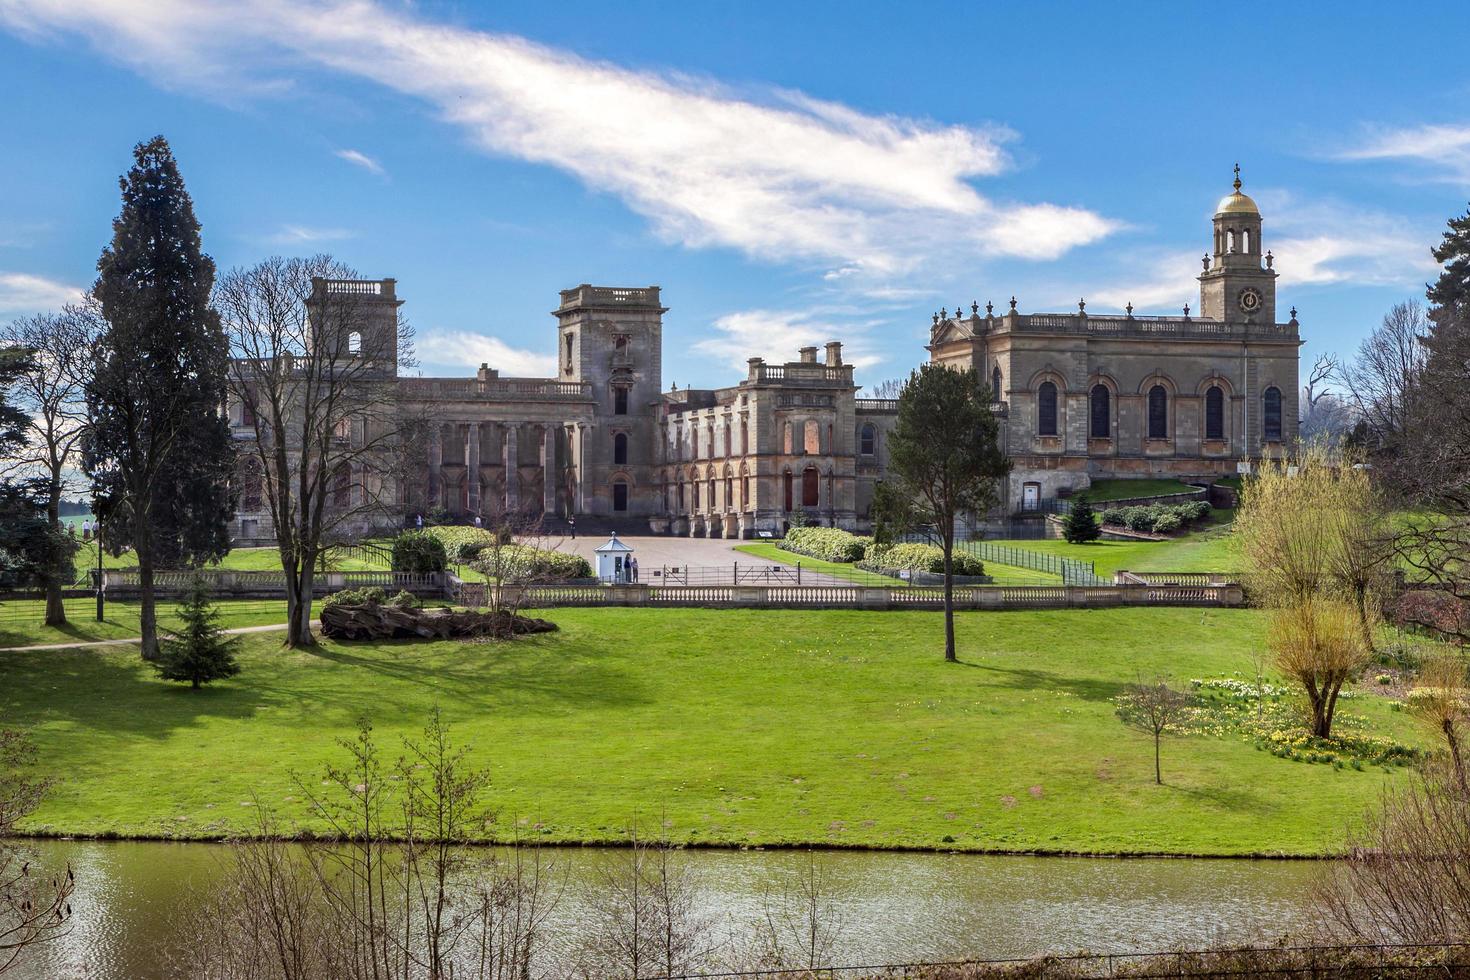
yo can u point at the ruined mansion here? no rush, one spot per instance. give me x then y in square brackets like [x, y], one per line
[1080, 396]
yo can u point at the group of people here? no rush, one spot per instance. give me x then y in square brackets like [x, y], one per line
[89, 527]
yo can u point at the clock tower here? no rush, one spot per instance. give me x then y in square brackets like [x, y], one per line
[1237, 284]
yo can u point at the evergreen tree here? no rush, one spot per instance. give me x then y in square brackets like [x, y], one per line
[201, 651]
[945, 460]
[159, 452]
[1080, 525]
[1450, 294]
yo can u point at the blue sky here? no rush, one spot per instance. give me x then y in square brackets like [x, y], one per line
[788, 173]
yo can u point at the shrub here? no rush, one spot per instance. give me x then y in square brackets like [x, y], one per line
[373, 595]
[1139, 518]
[826, 543]
[1114, 516]
[1167, 523]
[463, 543]
[921, 557]
[419, 551]
[521, 562]
[1194, 510]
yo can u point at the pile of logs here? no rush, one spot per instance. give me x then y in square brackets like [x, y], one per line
[380, 621]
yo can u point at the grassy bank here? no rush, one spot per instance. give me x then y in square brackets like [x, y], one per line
[728, 727]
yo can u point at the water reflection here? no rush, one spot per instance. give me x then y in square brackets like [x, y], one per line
[894, 907]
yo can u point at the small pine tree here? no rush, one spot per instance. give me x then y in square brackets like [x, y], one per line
[200, 652]
[1080, 525]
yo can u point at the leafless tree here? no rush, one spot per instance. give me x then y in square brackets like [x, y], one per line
[1153, 709]
[1326, 416]
[1380, 382]
[887, 388]
[54, 393]
[318, 392]
[35, 908]
[801, 925]
[515, 555]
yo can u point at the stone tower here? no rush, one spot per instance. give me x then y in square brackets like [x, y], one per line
[360, 318]
[611, 339]
[1237, 283]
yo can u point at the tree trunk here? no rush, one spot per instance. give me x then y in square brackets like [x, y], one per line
[1158, 772]
[147, 614]
[949, 654]
[55, 608]
[298, 607]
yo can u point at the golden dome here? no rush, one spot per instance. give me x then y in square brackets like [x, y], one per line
[1236, 202]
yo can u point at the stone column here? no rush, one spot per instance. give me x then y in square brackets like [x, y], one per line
[548, 470]
[512, 469]
[581, 468]
[436, 465]
[472, 467]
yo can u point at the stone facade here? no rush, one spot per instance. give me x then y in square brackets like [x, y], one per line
[1081, 396]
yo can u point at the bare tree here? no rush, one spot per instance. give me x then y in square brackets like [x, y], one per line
[1325, 415]
[1153, 709]
[1441, 696]
[887, 388]
[800, 926]
[514, 555]
[53, 392]
[1379, 383]
[35, 908]
[315, 355]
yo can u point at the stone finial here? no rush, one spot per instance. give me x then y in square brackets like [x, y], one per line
[1205, 262]
[943, 313]
[959, 310]
[1293, 316]
[974, 307]
[1186, 311]
[1129, 308]
[1269, 258]
[1082, 306]
[936, 319]
[1013, 304]
[989, 308]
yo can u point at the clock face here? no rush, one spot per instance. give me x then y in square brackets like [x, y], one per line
[1250, 300]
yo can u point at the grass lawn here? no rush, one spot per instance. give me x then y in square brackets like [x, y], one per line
[731, 727]
[1103, 490]
[1199, 552]
[20, 622]
[1002, 574]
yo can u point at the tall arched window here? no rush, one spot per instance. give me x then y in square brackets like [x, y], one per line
[811, 443]
[711, 489]
[354, 343]
[1046, 409]
[869, 445]
[729, 491]
[1101, 405]
[1271, 417]
[1214, 413]
[1230, 241]
[342, 486]
[252, 486]
[811, 482]
[786, 481]
[786, 446]
[995, 385]
[1245, 241]
[620, 448]
[728, 437]
[744, 437]
[1158, 413]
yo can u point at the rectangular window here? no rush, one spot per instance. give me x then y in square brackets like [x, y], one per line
[620, 401]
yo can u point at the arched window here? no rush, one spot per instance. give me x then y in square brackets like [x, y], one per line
[869, 445]
[342, 486]
[1230, 241]
[729, 491]
[1245, 241]
[744, 437]
[679, 489]
[1158, 413]
[694, 491]
[354, 343]
[1271, 417]
[1046, 409]
[1101, 405]
[811, 443]
[1214, 413]
[620, 495]
[786, 446]
[727, 438]
[995, 395]
[787, 486]
[712, 503]
[620, 448]
[811, 482]
[251, 486]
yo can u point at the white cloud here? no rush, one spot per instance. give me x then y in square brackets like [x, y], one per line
[1445, 149]
[22, 293]
[778, 335]
[305, 235]
[361, 159]
[463, 349]
[780, 176]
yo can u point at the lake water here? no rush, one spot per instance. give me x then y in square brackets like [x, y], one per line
[893, 906]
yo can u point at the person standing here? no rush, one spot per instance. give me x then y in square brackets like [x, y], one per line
[572, 523]
[418, 521]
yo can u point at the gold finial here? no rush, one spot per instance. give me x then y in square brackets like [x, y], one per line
[1237, 178]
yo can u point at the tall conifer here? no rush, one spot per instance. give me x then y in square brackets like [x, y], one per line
[159, 451]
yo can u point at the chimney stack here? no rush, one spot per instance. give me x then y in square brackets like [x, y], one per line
[834, 353]
[808, 355]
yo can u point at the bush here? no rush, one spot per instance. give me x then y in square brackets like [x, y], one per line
[826, 543]
[1194, 510]
[419, 551]
[921, 557]
[463, 543]
[1114, 516]
[1167, 523]
[373, 595]
[520, 562]
[1139, 518]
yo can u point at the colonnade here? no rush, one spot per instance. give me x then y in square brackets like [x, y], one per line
[556, 473]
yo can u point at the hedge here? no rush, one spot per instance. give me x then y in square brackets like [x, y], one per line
[1158, 518]
[921, 557]
[462, 543]
[373, 595]
[419, 551]
[468, 544]
[826, 543]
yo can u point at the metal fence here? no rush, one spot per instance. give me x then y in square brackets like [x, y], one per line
[1349, 961]
[1070, 570]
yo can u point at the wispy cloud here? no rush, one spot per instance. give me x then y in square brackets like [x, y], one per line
[777, 335]
[777, 175]
[22, 293]
[1443, 149]
[463, 349]
[360, 159]
[306, 235]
